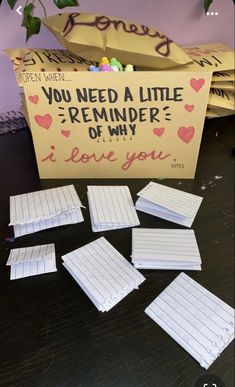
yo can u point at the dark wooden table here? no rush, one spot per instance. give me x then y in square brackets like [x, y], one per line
[51, 335]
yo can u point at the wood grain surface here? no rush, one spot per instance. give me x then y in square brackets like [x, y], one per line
[51, 335]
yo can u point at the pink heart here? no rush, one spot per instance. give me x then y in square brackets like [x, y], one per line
[43, 121]
[158, 131]
[186, 134]
[66, 133]
[34, 99]
[197, 83]
[189, 108]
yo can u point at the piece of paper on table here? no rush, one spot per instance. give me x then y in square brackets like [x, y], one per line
[195, 318]
[30, 261]
[103, 273]
[39, 210]
[111, 207]
[172, 249]
[168, 203]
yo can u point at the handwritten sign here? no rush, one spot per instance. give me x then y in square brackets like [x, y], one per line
[211, 57]
[33, 60]
[116, 125]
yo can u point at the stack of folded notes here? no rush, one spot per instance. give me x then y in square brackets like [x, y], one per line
[111, 207]
[168, 203]
[196, 319]
[165, 249]
[103, 273]
[40, 210]
[30, 261]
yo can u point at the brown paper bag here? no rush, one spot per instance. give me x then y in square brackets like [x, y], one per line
[24, 108]
[222, 76]
[221, 99]
[218, 112]
[211, 114]
[206, 57]
[33, 60]
[211, 57]
[226, 85]
[94, 36]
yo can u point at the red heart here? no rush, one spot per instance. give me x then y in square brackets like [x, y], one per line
[197, 83]
[34, 99]
[66, 133]
[189, 108]
[43, 121]
[158, 131]
[186, 134]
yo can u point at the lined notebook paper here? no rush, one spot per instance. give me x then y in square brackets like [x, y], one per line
[30, 261]
[196, 319]
[111, 207]
[168, 203]
[103, 273]
[154, 248]
[35, 211]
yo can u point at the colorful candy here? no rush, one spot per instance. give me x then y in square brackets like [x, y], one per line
[129, 67]
[104, 60]
[112, 65]
[105, 67]
[115, 63]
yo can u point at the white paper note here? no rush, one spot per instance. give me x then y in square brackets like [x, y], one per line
[35, 211]
[195, 318]
[103, 273]
[169, 203]
[30, 261]
[71, 217]
[172, 249]
[111, 207]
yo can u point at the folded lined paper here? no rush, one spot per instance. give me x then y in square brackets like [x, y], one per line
[30, 261]
[103, 273]
[169, 203]
[196, 319]
[35, 211]
[154, 248]
[111, 207]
